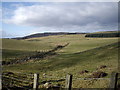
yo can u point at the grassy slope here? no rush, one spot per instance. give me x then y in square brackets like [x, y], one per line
[22, 45]
[8, 55]
[73, 63]
[69, 61]
[78, 61]
[77, 43]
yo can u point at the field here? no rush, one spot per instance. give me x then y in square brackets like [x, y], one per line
[81, 53]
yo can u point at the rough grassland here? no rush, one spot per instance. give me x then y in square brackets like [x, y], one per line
[81, 54]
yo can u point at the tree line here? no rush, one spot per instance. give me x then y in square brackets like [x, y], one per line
[103, 35]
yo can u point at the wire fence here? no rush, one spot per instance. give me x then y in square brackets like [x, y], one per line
[26, 81]
[12, 80]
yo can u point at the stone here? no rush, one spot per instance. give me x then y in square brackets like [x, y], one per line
[47, 85]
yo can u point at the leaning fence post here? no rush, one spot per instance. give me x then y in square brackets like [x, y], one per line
[35, 83]
[68, 82]
[113, 81]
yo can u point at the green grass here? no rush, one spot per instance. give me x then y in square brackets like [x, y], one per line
[8, 55]
[77, 43]
[66, 61]
[81, 54]
[22, 45]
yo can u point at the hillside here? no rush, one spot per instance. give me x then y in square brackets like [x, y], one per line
[46, 34]
[58, 66]
[12, 44]
[77, 43]
[81, 54]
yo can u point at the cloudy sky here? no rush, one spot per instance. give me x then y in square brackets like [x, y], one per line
[20, 19]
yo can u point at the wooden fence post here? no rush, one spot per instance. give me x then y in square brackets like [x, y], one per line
[113, 81]
[0, 82]
[68, 82]
[35, 83]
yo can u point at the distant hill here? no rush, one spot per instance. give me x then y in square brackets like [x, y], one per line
[45, 34]
[104, 34]
[95, 34]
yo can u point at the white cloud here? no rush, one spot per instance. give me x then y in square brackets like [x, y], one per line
[67, 16]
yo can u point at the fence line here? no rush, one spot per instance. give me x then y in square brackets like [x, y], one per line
[68, 84]
[17, 79]
[90, 78]
[53, 77]
[74, 78]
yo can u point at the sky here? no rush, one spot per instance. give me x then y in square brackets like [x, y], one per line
[25, 18]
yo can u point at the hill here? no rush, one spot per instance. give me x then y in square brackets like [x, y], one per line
[46, 34]
[81, 54]
[58, 66]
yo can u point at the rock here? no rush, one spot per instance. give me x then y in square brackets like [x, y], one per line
[98, 74]
[44, 75]
[84, 71]
[47, 85]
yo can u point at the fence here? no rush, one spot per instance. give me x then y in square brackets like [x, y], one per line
[16, 81]
[68, 82]
[113, 81]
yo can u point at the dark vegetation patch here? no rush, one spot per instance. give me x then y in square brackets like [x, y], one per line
[102, 66]
[103, 35]
[34, 40]
[84, 71]
[98, 74]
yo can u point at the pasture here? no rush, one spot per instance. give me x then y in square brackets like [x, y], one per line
[81, 54]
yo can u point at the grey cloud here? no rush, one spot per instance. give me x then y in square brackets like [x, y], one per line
[67, 16]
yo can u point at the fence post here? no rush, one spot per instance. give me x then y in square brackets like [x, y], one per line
[113, 81]
[0, 82]
[35, 83]
[68, 82]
